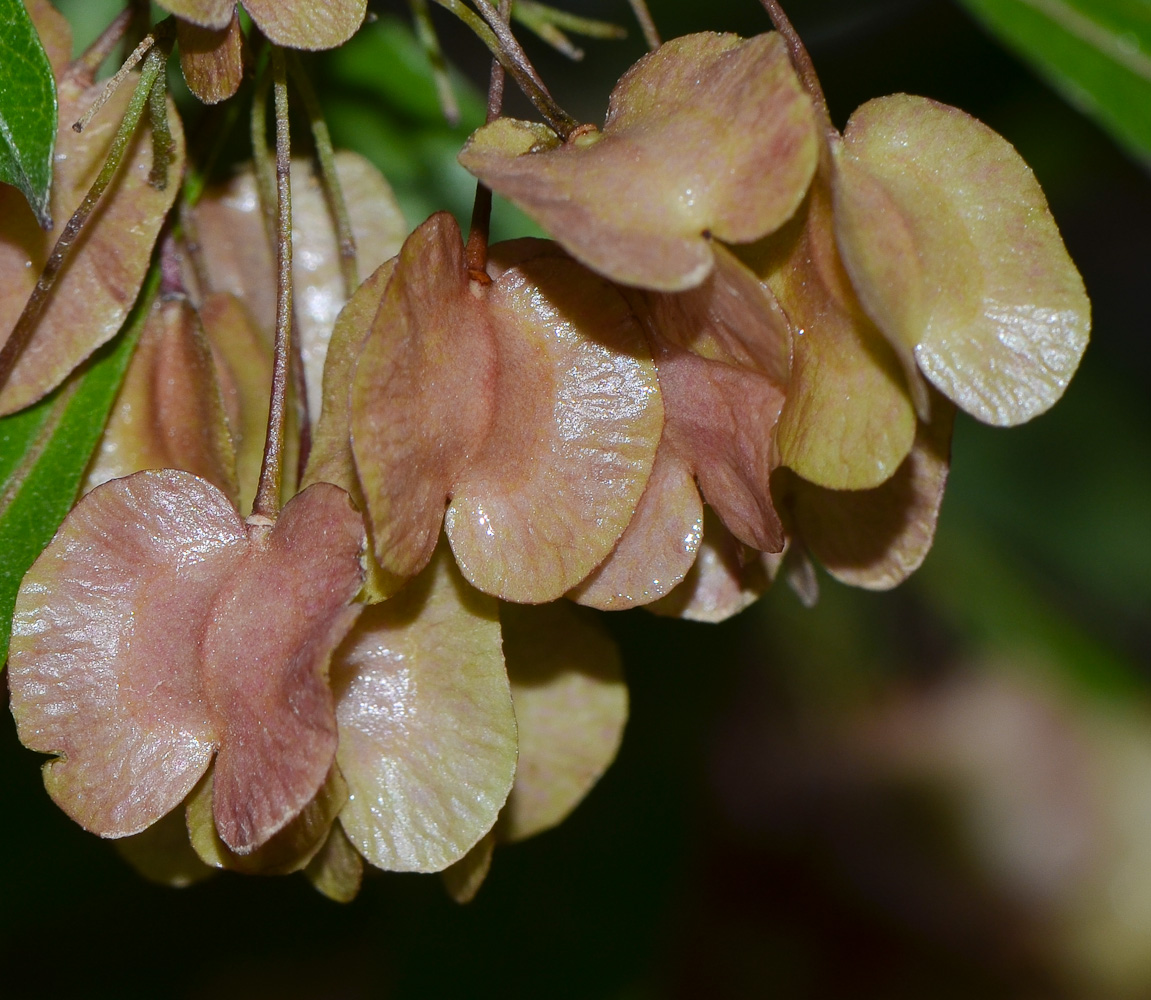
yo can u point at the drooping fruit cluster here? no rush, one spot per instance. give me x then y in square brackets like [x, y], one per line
[796, 288]
[745, 344]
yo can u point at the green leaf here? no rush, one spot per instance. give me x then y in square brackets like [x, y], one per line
[27, 109]
[1097, 53]
[408, 86]
[396, 121]
[45, 449]
[994, 605]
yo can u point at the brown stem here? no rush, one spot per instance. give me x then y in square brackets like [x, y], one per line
[503, 45]
[646, 23]
[92, 58]
[265, 168]
[522, 71]
[26, 324]
[801, 61]
[500, 28]
[498, 76]
[329, 178]
[267, 502]
[476, 251]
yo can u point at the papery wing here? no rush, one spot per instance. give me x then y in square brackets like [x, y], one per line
[427, 731]
[104, 668]
[274, 628]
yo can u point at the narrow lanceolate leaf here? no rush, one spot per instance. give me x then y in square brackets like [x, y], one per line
[44, 451]
[27, 109]
[1097, 53]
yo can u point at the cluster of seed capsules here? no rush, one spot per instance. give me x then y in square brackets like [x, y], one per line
[743, 349]
[742, 307]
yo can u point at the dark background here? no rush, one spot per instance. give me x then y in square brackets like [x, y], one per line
[742, 845]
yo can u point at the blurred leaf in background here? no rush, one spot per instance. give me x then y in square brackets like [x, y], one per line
[88, 18]
[1097, 53]
[395, 119]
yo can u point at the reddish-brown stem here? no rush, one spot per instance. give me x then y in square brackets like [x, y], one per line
[502, 44]
[476, 251]
[646, 23]
[26, 324]
[267, 502]
[801, 61]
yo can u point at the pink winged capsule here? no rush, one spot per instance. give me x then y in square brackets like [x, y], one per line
[158, 630]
